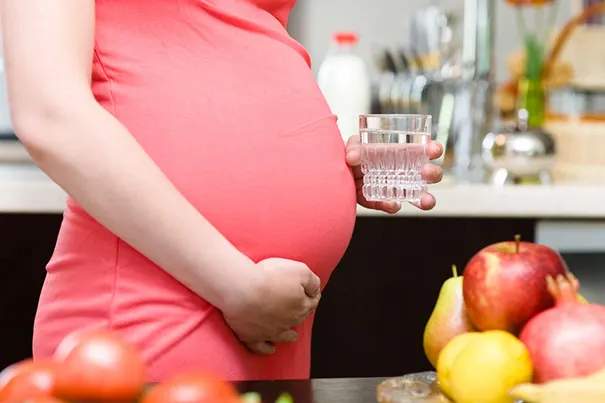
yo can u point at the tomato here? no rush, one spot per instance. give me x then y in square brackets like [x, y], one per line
[98, 365]
[47, 399]
[192, 388]
[26, 380]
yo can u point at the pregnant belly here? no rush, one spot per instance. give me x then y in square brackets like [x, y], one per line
[290, 196]
[270, 192]
[251, 144]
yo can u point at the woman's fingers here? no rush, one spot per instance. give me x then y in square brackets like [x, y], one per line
[353, 144]
[268, 347]
[353, 155]
[289, 336]
[261, 347]
[432, 173]
[427, 202]
[387, 207]
[434, 150]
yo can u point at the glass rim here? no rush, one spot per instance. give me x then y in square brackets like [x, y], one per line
[396, 115]
[400, 123]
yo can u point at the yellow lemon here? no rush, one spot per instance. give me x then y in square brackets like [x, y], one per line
[486, 369]
[448, 355]
[582, 299]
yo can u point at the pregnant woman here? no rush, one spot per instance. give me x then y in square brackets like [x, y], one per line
[210, 194]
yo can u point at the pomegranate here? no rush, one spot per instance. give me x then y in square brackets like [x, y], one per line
[568, 340]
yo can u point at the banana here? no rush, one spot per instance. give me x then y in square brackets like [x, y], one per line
[561, 393]
[580, 392]
[589, 389]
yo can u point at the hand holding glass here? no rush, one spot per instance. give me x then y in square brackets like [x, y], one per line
[393, 152]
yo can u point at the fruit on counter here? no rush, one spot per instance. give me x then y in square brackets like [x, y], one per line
[46, 399]
[587, 393]
[448, 356]
[448, 319]
[589, 389]
[27, 380]
[98, 365]
[192, 388]
[568, 340]
[284, 398]
[488, 367]
[251, 397]
[504, 284]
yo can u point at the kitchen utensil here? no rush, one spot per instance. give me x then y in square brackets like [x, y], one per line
[520, 154]
[431, 34]
[405, 62]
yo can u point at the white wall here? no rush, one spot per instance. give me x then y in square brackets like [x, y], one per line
[382, 22]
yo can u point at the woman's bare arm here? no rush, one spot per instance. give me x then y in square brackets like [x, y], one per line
[48, 47]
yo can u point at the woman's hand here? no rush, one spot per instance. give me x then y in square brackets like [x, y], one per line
[430, 173]
[277, 295]
[48, 48]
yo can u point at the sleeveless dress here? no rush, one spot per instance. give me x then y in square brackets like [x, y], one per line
[224, 101]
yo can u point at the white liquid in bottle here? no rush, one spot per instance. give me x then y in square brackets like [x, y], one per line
[345, 83]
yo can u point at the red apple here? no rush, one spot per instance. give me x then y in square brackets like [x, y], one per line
[505, 284]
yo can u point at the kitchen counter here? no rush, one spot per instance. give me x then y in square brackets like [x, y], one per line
[481, 200]
[26, 189]
[392, 268]
[348, 390]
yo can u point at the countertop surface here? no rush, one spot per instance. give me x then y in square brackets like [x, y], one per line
[349, 390]
[24, 188]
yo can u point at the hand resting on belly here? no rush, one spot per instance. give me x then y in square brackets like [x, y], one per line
[282, 294]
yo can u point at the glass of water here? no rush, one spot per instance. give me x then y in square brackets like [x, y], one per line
[393, 152]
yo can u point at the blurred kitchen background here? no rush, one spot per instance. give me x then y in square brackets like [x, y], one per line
[385, 23]
[522, 117]
[472, 53]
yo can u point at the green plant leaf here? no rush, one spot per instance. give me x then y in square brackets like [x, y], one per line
[534, 51]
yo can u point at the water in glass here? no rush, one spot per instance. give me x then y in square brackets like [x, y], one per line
[391, 161]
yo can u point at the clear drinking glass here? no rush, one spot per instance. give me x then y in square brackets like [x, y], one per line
[393, 151]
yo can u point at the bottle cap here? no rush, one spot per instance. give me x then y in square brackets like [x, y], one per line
[345, 38]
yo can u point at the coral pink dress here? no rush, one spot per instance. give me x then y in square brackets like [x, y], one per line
[224, 101]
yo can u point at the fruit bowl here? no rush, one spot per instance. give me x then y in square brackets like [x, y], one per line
[421, 387]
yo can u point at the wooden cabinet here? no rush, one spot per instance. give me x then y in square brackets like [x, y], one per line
[26, 243]
[373, 311]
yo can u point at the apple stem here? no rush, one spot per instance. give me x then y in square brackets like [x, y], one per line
[517, 242]
[454, 270]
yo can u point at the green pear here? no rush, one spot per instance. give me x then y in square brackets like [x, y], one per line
[448, 319]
